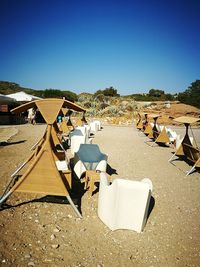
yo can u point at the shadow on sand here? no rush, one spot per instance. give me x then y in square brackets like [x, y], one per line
[11, 143]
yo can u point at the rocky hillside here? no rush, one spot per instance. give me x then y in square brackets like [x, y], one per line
[122, 110]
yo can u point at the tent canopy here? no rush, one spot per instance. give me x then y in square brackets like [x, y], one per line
[49, 108]
[152, 115]
[6, 100]
[188, 120]
[23, 97]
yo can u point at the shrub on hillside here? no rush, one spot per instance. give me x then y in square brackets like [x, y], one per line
[86, 104]
[103, 105]
[192, 95]
[99, 98]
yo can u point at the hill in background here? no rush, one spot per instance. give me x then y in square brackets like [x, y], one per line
[108, 104]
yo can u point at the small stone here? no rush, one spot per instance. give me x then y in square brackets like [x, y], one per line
[57, 230]
[48, 260]
[3, 261]
[31, 263]
[55, 246]
[53, 237]
[27, 256]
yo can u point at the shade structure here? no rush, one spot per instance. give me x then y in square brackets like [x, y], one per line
[6, 100]
[49, 108]
[43, 176]
[154, 115]
[187, 119]
[186, 147]
[45, 173]
[139, 123]
[23, 97]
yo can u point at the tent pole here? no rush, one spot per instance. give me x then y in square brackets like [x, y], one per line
[190, 171]
[172, 157]
[4, 197]
[74, 207]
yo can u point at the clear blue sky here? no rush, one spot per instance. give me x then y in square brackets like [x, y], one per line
[84, 46]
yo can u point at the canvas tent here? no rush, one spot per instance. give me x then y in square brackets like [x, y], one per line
[6, 104]
[6, 100]
[46, 169]
[23, 97]
[186, 148]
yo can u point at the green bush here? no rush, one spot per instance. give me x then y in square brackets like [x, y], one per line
[191, 96]
[107, 92]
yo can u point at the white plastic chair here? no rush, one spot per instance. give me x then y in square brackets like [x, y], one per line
[124, 204]
[172, 134]
[87, 129]
[89, 157]
[98, 123]
[76, 138]
[94, 126]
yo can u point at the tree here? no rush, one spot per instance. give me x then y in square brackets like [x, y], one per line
[191, 95]
[110, 92]
[107, 92]
[156, 93]
[169, 97]
[98, 92]
[51, 93]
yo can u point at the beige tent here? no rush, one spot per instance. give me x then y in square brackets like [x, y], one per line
[43, 174]
[186, 148]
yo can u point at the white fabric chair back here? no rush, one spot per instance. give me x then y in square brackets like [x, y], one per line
[89, 157]
[172, 134]
[76, 138]
[124, 204]
[82, 129]
[94, 127]
[98, 123]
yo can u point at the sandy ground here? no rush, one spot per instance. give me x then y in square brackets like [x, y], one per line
[37, 233]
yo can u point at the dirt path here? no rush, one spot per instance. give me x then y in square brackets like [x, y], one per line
[49, 234]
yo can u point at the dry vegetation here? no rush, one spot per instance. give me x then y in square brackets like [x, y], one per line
[122, 110]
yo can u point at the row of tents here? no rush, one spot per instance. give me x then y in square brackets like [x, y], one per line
[185, 147]
[48, 169]
[122, 205]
